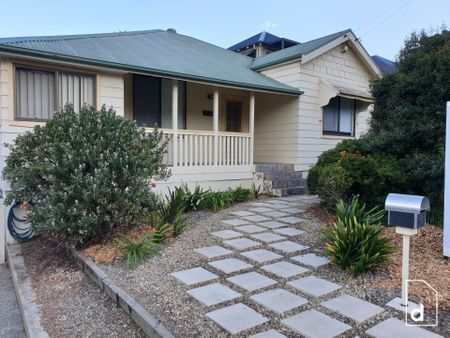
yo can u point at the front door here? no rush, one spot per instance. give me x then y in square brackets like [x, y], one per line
[233, 116]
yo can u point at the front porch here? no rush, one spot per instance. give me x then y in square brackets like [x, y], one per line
[209, 129]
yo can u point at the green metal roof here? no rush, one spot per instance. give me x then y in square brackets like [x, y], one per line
[155, 52]
[296, 51]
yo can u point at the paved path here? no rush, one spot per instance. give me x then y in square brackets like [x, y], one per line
[265, 260]
[10, 318]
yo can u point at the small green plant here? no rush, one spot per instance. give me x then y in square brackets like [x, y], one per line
[179, 226]
[174, 206]
[239, 194]
[352, 242]
[346, 212]
[161, 229]
[194, 199]
[137, 251]
[256, 191]
[217, 200]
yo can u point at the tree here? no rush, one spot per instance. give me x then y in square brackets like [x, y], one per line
[408, 121]
[83, 175]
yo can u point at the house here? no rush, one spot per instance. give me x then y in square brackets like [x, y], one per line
[222, 112]
[262, 44]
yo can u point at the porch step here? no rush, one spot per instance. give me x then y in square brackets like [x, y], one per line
[282, 179]
[283, 192]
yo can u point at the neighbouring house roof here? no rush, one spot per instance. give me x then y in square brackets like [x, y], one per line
[296, 51]
[264, 38]
[386, 66]
[157, 52]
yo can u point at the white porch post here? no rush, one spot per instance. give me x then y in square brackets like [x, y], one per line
[175, 122]
[251, 124]
[216, 125]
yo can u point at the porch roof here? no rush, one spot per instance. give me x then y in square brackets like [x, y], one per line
[156, 52]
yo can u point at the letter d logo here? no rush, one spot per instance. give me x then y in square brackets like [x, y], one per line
[417, 314]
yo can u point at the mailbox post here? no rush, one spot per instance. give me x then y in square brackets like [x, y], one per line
[407, 213]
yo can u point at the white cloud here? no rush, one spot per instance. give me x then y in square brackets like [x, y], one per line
[269, 24]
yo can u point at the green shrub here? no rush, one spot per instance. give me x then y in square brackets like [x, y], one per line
[352, 242]
[173, 207]
[333, 184]
[354, 209]
[313, 180]
[239, 194]
[217, 200]
[194, 199]
[85, 174]
[161, 229]
[371, 177]
[178, 226]
[137, 251]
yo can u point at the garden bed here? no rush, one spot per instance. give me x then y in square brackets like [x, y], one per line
[71, 305]
[166, 298]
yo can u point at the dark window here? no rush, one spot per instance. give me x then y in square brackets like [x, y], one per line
[339, 116]
[233, 116]
[147, 100]
[152, 102]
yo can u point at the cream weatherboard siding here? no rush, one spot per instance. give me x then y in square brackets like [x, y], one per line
[277, 120]
[345, 69]
[111, 92]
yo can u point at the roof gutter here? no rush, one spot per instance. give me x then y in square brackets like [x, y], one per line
[156, 72]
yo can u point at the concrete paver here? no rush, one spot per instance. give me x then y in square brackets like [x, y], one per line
[213, 294]
[315, 324]
[237, 318]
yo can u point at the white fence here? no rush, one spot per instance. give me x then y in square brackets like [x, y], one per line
[197, 148]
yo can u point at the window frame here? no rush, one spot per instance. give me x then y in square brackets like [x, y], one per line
[56, 72]
[338, 132]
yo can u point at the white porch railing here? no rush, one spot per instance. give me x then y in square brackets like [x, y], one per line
[196, 148]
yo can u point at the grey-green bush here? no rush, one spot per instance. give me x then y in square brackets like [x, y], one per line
[85, 174]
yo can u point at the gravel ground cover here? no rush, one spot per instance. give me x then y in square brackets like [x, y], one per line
[167, 299]
[71, 304]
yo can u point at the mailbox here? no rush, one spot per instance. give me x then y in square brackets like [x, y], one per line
[407, 211]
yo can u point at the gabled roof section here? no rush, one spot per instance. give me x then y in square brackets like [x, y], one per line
[264, 38]
[156, 52]
[311, 49]
[297, 51]
[386, 66]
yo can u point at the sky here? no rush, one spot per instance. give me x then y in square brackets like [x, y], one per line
[382, 25]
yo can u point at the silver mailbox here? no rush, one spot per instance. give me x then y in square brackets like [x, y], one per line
[408, 211]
